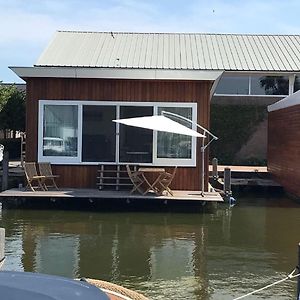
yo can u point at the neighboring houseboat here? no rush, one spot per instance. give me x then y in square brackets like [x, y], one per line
[283, 142]
[83, 80]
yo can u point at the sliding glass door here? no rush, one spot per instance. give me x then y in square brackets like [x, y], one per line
[83, 132]
[98, 133]
[136, 144]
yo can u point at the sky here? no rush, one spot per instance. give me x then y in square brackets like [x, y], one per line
[27, 26]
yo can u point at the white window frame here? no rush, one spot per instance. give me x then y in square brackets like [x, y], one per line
[190, 162]
[59, 159]
[176, 161]
[232, 74]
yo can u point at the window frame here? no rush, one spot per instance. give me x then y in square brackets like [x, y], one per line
[176, 161]
[250, 94]
[189, 162]
[58, 159]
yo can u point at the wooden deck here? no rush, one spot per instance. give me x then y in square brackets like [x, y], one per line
[106, 194]
[105, 199]
[247, 176]
[247, 169]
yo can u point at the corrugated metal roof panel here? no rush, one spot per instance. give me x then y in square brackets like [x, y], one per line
[289, 51]
[244, 55]
[259, 63]
[267, 50]
[211, 53]
[173, 51]
[275, 53]
[260, 54]
[217, 53]
[229, 54]
[222, 52]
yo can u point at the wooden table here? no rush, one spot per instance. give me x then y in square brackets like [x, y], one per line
[152, 183]
[152, 170]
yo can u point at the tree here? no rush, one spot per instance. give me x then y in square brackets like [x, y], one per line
[12, 109]
[275, 85]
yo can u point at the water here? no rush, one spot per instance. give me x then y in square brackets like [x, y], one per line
[219, 255]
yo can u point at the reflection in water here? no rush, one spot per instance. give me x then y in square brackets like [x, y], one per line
[219, 255]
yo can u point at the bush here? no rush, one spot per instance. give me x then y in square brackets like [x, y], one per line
[253, 161]
[13, 146]
[233, 125]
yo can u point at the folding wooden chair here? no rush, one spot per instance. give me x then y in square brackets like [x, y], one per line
[137, 179]
[33, 177]
[164, 181]
[46, 171]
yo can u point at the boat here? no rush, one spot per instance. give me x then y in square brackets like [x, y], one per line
[35, 286]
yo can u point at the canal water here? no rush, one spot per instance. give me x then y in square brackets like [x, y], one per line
[212, 255]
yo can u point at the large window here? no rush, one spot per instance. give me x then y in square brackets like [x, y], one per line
[60, 130]
[233, 85]
[172, 145]
[82, 132]
[98, 133]
[253, 85]
[297, 83]
[269, 85]
[136, 144]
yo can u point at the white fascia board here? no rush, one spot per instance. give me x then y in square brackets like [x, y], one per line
[291, 100]
[262, 73]
[215, 84]
[117, 73]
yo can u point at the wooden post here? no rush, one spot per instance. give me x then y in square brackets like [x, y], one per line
[5, 171]
[118, 178]
[2, 246]
[101, 177]
[227, 183]
[23, 145]
[215, 168]
[298, 278]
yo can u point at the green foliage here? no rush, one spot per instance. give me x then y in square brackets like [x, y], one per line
[275, 85]
[253, 161]
[233, 125]
[13, 146]
[12, 108]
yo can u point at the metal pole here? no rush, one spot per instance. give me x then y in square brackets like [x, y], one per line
[203, 147]
[5, 171]
[227, 183]
[202, 169]
[298, 279]
[215, 168]
[2, 246]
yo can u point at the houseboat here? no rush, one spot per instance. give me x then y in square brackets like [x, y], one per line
[84, 80]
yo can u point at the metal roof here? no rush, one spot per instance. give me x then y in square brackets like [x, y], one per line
[173, 51]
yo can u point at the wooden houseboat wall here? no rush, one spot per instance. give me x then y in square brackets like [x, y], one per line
[64, 89]
[284, 143]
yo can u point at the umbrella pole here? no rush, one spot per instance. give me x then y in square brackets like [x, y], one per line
[203, 147]
[202, 168]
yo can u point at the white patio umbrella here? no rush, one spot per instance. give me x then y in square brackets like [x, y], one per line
[159, 123]
[164, 124]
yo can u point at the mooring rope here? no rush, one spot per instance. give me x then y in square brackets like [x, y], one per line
[290, 276]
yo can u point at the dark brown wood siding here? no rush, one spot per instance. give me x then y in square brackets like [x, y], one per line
[284, 147]
[114, 90]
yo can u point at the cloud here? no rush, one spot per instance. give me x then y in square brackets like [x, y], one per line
[35, 21]
[27, 26]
